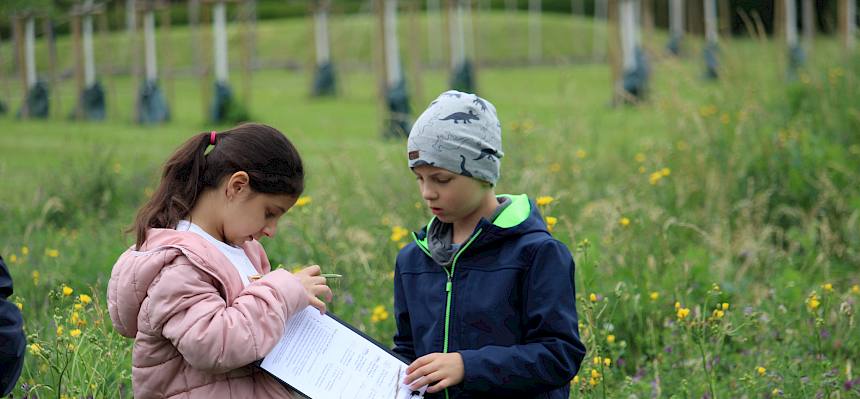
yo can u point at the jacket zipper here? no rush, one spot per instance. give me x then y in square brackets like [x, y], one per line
[449, 288]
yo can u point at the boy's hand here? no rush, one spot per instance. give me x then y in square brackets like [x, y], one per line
[439, 370]
[315, 286]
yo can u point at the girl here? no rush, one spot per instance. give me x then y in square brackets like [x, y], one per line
[484, 297]
[186, 291]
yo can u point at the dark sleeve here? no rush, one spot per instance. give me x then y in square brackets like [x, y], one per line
[552, 351]
[12, 339]
[403, 344]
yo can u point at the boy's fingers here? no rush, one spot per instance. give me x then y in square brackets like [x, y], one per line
[418, 363]
[445, 383]
[430, 378]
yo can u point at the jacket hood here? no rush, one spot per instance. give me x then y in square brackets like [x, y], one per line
[519, 218]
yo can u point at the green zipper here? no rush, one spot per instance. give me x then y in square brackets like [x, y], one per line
[449, 287]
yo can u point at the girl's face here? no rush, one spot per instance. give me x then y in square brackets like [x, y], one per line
[251, 215]
[451, 197]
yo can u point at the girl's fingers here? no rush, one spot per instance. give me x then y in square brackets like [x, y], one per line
[421, 361]
[323, 290]
[317, 304]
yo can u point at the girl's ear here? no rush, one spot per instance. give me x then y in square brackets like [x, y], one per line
[238, 184]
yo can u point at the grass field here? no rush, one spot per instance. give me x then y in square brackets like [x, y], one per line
[715, 228]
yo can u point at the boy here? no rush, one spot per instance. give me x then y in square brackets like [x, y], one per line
[484, 296]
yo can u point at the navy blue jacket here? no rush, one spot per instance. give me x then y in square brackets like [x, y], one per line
[512, 314]
[12, 339]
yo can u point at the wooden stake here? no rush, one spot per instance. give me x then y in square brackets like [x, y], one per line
[18, 26]
[166, 50]
[48, 29]
[614, 53]
[77, 45]
[415, 52]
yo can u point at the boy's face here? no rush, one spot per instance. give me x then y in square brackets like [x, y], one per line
[450, 196]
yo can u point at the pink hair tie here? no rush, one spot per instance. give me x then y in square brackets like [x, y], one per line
[212, 137]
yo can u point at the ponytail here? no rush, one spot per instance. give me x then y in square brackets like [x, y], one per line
[271, 161]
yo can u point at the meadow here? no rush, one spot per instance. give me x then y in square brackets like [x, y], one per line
[715, 227]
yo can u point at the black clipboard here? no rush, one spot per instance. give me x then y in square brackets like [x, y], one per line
[353, 329]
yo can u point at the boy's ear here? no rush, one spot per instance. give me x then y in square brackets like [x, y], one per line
[238, 184]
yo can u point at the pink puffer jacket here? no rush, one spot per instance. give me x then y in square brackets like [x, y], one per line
[196, 328]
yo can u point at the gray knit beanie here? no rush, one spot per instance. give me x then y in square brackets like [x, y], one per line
[459, 132]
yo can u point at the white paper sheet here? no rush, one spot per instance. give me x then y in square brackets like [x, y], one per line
[325, 359]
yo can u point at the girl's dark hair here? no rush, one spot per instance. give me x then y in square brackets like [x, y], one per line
[271, 161]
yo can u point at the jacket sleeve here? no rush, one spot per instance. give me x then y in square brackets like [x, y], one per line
[12, 338]
[213, 335]
[403, 344]
[551, 352]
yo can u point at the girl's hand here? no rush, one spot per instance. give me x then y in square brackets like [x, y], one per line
[315, 287]
[439, 370]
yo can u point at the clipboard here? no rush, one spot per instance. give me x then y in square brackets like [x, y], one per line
[326, 341]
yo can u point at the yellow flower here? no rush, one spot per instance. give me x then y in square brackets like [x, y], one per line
[35, 275]
[19, 305]
[13, 258]
[25, 250]
[78, 306]
[575, 380]
[610, 339]
[35, 349]
[555, 167]
[550, 222]
[624, 222]
[707, 110]
[397, 233]
[855, 289]
[725, 306]
[718, 314]
[655, 177]
[827, 287]
[85, 299]
[379, 314]
[593, 381]
[59, 330]
[303, 200]
[775, 392]
[592, 297]
[52, 253]
[641, 169]
[545, 200]
[677, 305]
[654, 295]
[596, 360]
[607, 362]
[725, 119]
[75, 333]
[74, 318]
[595, 374]
[683, 313]
[581, 154]
[761, 370]
[640, 157]
[67, 291]
[665, 171]
[812, 302]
